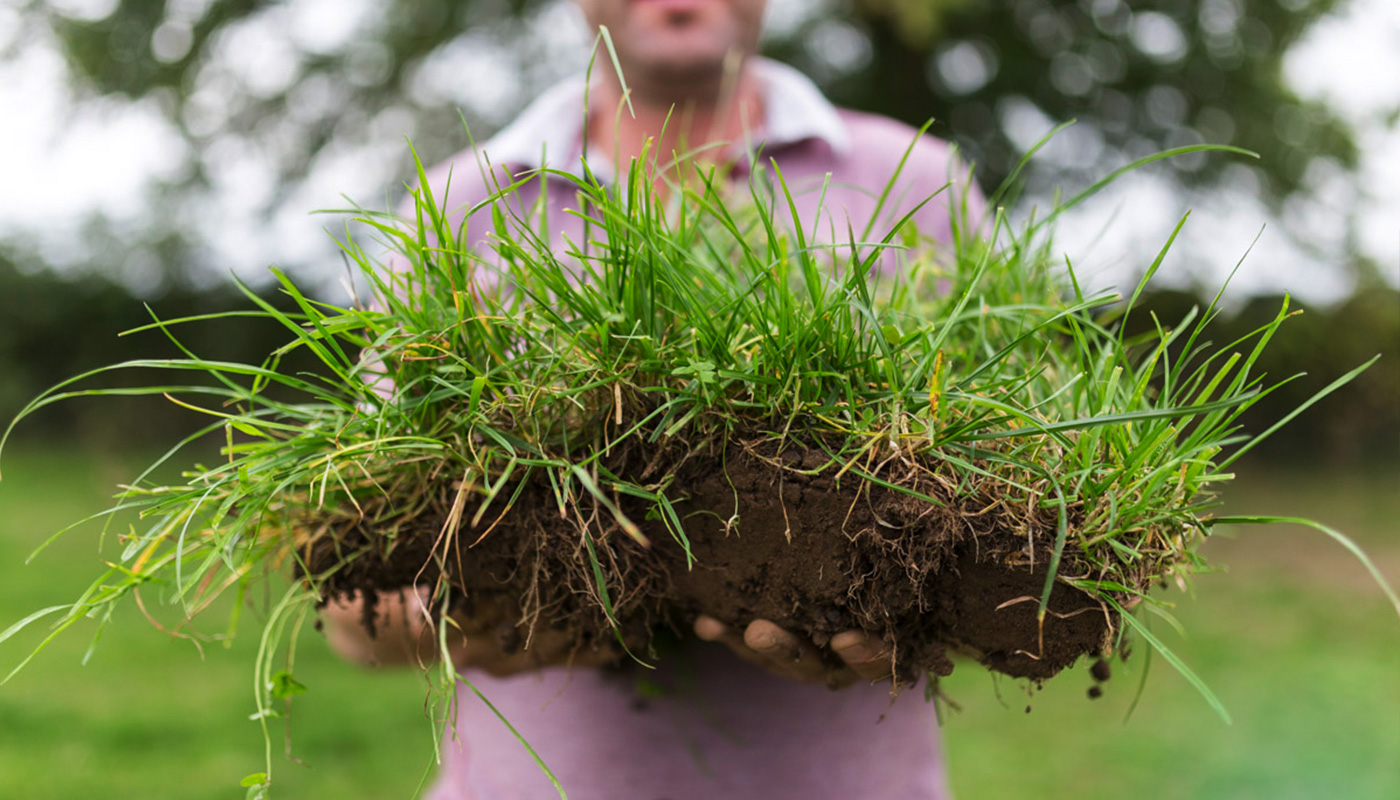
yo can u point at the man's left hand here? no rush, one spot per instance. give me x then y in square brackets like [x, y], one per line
[863, 656]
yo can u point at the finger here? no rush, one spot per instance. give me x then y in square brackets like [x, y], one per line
[710, 629]
[784, 652]
[841, 678]
[866, 655]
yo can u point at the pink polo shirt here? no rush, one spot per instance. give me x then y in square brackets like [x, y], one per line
[709, 725]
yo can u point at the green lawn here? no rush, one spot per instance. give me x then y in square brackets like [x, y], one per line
[1301, 648]
[146, 718]
[1296, 641]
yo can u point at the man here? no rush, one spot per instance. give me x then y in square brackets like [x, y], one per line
[711, 725]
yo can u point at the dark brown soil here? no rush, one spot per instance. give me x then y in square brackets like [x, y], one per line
[813, 555]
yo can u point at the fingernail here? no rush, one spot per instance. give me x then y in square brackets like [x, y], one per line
[857, 651]
[709, 629]
[765, 643]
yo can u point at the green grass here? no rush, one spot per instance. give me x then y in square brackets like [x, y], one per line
[977, 377]
[147, 717]
[1297, 642]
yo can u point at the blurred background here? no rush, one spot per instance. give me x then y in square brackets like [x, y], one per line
[153, 150]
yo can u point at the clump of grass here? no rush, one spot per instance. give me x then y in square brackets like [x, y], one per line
[686, 319]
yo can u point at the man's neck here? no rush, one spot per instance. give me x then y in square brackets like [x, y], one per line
[704, 121]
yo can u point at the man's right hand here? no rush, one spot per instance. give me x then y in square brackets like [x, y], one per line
[405, 634]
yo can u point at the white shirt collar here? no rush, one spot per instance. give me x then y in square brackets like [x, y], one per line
[794, 108]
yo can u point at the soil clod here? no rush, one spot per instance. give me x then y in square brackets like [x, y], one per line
[767, 540]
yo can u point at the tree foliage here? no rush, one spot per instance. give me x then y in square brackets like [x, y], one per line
[1139, 75]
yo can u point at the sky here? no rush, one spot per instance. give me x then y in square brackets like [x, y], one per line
[61, 160]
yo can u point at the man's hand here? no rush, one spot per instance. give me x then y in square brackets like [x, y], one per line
[865, 657]
[405, 633]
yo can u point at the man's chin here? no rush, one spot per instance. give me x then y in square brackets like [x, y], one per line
[683, 67]
[678, 66]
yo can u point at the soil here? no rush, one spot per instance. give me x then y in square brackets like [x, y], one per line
[813, 554]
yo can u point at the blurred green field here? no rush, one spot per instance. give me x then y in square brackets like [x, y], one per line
[1300, 646]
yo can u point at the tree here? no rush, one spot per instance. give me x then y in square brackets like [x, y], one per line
[1140, 75]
